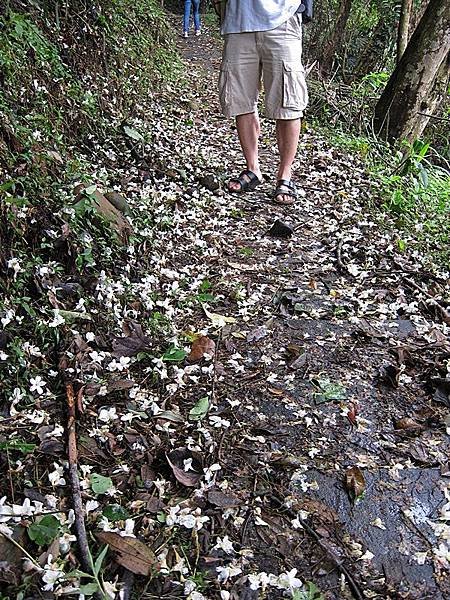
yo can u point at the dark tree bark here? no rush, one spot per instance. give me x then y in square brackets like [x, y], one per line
[336, 37]
[403, 27]
[373, 55]
[409, 96]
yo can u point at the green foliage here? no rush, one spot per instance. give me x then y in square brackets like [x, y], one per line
[59, 96]
[44, 531]
[18, 445]
[312, 592]
[174, 354]
[115, 512]
[100, 484]
[200, 410]
[412, 188]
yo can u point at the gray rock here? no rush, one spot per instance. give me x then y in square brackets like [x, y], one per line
[210, 182]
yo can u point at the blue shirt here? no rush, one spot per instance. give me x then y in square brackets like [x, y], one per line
[257, 15]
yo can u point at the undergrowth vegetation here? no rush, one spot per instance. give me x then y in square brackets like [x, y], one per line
[411, 181]
[73, 82]
[410, 187]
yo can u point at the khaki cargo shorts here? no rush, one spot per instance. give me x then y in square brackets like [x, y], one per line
[273, 58]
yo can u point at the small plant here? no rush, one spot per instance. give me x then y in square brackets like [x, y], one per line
[247, 251]
[311, 593]
[44, 530]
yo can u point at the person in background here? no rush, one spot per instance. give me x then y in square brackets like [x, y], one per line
[187, 16]
[263, 40]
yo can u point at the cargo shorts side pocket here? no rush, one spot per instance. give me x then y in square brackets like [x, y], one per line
[295, 92]
[225, 86]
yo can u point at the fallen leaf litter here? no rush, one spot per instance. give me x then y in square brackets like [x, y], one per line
[250, 452]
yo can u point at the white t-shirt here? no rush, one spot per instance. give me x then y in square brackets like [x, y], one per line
[257, 15]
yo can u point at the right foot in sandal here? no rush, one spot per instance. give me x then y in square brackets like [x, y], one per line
[246, 182]
[285, 192]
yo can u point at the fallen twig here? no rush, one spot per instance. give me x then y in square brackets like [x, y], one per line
[80, 527]
[340, 264]
[356, 591]
[441, 309]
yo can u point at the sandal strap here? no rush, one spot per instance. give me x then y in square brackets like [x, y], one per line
[286, 183]
[281, 190]
[247, 173]
[251, 177]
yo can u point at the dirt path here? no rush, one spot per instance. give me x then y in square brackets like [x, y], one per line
[329, 373]
[267, 414]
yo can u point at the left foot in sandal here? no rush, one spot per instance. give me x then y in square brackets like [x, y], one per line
[246, 182]
[285, 192]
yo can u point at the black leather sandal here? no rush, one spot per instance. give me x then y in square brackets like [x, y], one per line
[285, 187]
[247, 181]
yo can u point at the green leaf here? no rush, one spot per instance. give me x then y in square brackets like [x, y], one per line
[77, 573]
[401, 245]
[174, 354]
[71, 315]
[133, 134]
[423, 175]
[312, 593]
[91, 189]
[18, 445]
[43, 532]
[206, 298]
[89, 589]
[100, 484]
[115, 512]
[99, 560]
[169, 415]
[205, 285]
[200, 410]
[328, 391]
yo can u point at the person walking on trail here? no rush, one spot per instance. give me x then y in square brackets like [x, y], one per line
[263, 41]
[187, 16]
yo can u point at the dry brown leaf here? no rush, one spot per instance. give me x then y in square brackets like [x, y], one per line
[201, 346]
[257, 334]
[352, 412]
[131, 553]
[355, 483]
[408, 424]
[135, 341]
[178, 458]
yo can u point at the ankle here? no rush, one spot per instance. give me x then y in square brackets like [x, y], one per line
[254, 168]
[284, 173]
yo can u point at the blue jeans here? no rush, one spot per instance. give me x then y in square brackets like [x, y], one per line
[187, 14]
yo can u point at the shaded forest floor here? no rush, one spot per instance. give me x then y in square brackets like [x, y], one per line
[269, 409]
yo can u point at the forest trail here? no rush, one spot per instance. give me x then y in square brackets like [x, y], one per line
[265, 414]
[329, 360]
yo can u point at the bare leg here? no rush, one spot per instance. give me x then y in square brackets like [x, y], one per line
[288, 133]
[248, 132]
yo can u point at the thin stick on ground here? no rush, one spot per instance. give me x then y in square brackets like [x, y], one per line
[444, 314]
[356, 591]
[339, 255]
[80, 527]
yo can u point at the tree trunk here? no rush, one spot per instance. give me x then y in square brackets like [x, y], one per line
[373, 55]
[336, 37]
[402, 108]
[403, 27]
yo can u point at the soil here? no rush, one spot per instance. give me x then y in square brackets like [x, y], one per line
[310, 309]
